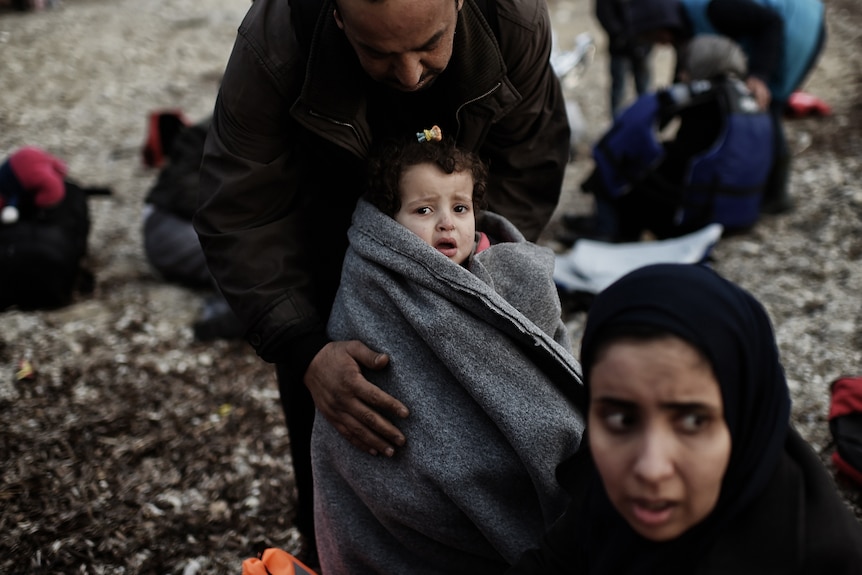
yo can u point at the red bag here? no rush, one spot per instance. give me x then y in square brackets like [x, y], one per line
[275, 562]
[845, 423]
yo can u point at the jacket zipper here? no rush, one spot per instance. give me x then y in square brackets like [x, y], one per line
[468, 102]
[352, 128]
[332, 121]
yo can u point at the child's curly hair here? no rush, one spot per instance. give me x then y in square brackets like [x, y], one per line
[386, 168]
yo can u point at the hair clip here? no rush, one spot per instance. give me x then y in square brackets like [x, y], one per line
[434, 134]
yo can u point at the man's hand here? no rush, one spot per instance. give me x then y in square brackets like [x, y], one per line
[349, 401]
[760, 91]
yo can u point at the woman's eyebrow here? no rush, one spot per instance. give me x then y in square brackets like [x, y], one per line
[687, 406]
[667, 405]
[613, 401]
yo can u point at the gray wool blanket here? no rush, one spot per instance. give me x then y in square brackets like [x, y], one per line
[482, 359]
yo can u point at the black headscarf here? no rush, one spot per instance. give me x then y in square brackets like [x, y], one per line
[735, 334]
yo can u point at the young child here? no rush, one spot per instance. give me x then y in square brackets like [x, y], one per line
[435, 190]
[692, 466]
[480, 356]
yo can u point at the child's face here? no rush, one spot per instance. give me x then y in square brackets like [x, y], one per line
[438, 207]
[657, 434]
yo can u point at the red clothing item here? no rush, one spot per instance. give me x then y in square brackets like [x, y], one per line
[39, 173]
[483, 242]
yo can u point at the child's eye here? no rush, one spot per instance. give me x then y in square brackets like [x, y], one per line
[459, 209]
[423, 211]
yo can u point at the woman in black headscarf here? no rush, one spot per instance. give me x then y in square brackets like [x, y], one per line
[692, 464]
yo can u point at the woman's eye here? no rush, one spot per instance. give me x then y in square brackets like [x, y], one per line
[618, 420]
[693, 422]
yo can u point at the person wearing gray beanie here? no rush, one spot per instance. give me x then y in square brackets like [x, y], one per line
[710, 56]
[782, 40]
[713, 169]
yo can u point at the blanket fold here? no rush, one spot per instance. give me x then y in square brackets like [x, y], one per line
[483, 361]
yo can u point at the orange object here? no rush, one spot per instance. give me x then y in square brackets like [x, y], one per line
[275, 562]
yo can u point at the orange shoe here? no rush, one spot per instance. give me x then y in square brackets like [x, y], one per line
[275, 562]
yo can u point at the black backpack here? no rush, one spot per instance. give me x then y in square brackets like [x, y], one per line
[41, 254]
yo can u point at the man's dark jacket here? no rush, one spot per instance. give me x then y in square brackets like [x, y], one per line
[284, 161]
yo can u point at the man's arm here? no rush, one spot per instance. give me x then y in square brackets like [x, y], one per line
[529, 148]
[251, 223]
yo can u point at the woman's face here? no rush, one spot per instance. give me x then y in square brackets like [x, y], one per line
[657, 434]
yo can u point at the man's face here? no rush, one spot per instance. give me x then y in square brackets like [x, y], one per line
[404, 44]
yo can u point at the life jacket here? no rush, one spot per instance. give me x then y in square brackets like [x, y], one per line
[723, 183]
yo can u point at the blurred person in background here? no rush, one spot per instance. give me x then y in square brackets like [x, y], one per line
[782, 39]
